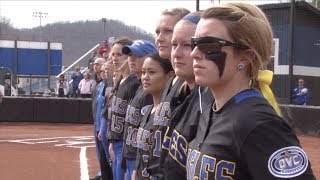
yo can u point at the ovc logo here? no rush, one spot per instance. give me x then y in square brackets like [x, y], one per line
[288, 162]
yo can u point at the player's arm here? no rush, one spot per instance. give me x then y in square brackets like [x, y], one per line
[1, 97]
[272, 151]
[111, 152]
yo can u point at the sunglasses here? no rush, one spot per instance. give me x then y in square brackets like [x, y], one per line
[209, 44]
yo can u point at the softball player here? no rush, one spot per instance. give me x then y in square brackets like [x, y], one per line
[137, 52]
[156, 72]
[243, 135]
[184, 119]
[125, 87]
[164, 29]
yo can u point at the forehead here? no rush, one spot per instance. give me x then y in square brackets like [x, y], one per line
[166, 22]
[183, 30]
[117, 48]
[212, 27]
[150, 63]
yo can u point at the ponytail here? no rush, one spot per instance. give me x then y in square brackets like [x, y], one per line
[264, 80]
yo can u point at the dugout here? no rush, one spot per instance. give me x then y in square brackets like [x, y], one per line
[306, 48]
[46, 109]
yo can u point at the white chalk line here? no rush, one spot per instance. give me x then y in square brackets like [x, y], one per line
[84, 173]
[18, 140]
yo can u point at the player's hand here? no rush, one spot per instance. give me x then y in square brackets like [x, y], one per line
[134, 174]
[111, 152]
[99, 135]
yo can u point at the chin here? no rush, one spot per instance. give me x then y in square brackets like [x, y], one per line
[181, 74]
[164, 54]
[146, 90]
[132, 70]
[201, 81]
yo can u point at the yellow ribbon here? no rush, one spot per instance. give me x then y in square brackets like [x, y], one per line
[264, 79]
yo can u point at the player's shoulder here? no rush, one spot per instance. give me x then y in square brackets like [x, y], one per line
[132, 80]
[250, 109]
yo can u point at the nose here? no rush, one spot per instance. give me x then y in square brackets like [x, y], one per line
[196, 54]
[176, 52]
[159, 38]
[145, 77]
[131, 58]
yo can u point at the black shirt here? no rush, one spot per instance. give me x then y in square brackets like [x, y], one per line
[119, 103]
[160, 123]
[183, 129]
[246, 139]
[144, 143]
[132, 122]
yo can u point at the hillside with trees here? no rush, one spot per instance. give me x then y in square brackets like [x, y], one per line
[76, 38]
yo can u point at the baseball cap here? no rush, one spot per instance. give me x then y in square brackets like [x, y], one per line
[140, 48]
[99, 61]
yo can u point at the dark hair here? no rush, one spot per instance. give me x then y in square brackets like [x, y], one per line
[164, 63]
[123, 41]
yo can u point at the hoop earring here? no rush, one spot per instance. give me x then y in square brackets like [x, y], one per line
[240, 66]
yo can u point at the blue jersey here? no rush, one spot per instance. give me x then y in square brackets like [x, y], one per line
[300, 96]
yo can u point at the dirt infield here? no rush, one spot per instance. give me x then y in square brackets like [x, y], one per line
[66, 151]
[46, 151]
[312, 147]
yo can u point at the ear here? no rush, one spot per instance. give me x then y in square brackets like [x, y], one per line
[246, 57]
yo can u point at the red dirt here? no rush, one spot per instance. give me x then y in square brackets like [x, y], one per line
[44, 160]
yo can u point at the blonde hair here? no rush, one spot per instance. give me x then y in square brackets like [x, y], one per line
[179, 13]
[249, 26]
[123, 41]
[119, 74]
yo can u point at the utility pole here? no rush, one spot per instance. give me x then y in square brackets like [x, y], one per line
[291, 48]
[104, 20]
[0, 20]
[197, 5]
[40, 15]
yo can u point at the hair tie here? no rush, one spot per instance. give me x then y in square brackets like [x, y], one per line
[191, 18]
[264, 79]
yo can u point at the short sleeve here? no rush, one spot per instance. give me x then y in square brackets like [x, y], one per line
[272, 151]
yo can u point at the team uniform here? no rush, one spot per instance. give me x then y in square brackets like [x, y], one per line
[106, 113]
[104, 124]
[144, 143]
[183, 129]
[132, 122]
[246, 139]
[104, 156]
[119, 103]
[160, 123]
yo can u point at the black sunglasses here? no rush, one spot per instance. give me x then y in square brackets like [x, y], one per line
[208, 44]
